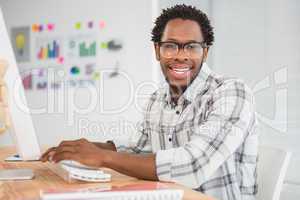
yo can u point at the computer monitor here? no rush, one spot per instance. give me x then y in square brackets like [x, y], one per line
[22, 128]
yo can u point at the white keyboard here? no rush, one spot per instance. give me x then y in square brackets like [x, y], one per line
[72, 163]
[70, 170]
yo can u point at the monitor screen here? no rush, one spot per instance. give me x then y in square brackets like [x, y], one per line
[22, 127]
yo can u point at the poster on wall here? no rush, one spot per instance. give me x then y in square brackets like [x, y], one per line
[77, 54]
[82, 46]
[43, 78]
[48, 49]
[20, 37]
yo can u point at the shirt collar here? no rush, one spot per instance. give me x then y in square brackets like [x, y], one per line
[194, 88]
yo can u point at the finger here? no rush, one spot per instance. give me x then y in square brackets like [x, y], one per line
[68, 143]
[64, 156]
[45, 155]
[82, 140]
[71, 149]
[49, 150]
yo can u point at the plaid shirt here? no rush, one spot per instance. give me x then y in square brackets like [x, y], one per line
[208, 141]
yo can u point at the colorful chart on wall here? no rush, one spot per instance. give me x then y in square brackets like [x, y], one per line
[77, 54]
[82, 46]
[48, 49]
[41, 78]
[20, 37]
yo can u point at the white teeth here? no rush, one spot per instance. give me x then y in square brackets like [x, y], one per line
[180, 70]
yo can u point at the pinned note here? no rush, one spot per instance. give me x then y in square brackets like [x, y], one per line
[75, 70]
[61, 60]
[96, 75]
[103, 45]
[35, 28]
[78, 26]
[90, 24]
[41, 28]
[101, 24]
[50, 27]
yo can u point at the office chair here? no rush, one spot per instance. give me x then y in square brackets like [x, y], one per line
[272, 167]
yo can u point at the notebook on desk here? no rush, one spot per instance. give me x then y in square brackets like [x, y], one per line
[151, 190]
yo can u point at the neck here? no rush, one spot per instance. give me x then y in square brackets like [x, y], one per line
[176, 92]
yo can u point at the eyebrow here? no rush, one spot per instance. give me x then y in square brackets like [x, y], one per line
[174, 40]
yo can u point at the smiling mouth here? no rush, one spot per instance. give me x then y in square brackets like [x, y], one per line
[180, 70]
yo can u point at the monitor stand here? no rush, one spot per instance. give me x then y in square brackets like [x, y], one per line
[15, 158]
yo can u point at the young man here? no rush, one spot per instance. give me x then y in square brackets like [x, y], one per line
[199, 131]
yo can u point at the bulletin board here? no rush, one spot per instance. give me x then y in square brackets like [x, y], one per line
[90, 55]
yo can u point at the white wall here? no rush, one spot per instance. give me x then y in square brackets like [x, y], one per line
[259, 42]
[128, 21]
[204, 5]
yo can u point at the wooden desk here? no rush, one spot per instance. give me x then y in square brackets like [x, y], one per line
[46, 179]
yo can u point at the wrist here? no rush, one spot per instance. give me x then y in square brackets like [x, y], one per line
[108, 158]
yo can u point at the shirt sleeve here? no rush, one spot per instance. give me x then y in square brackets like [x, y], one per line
[143, 144]
[213, 140]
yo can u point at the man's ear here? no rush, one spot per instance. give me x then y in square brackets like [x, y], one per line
[156, 48]
[205, 53]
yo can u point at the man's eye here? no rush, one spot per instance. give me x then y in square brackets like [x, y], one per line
[191, 46]
[170, 46]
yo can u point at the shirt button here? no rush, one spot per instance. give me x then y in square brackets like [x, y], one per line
[177, 112]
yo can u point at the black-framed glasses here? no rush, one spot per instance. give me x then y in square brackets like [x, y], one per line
[171, 49]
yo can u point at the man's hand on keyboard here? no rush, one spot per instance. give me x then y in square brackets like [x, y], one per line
[82, 151]
[92, 155]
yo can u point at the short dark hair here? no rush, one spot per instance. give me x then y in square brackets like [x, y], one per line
[184, 12]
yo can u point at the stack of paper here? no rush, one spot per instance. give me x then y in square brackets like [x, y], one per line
[145, 191]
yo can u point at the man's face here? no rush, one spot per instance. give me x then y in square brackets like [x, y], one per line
[181, 69]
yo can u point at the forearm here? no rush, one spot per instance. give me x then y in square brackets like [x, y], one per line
[139, 166]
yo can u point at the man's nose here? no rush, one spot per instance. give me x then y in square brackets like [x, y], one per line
[181, 55]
